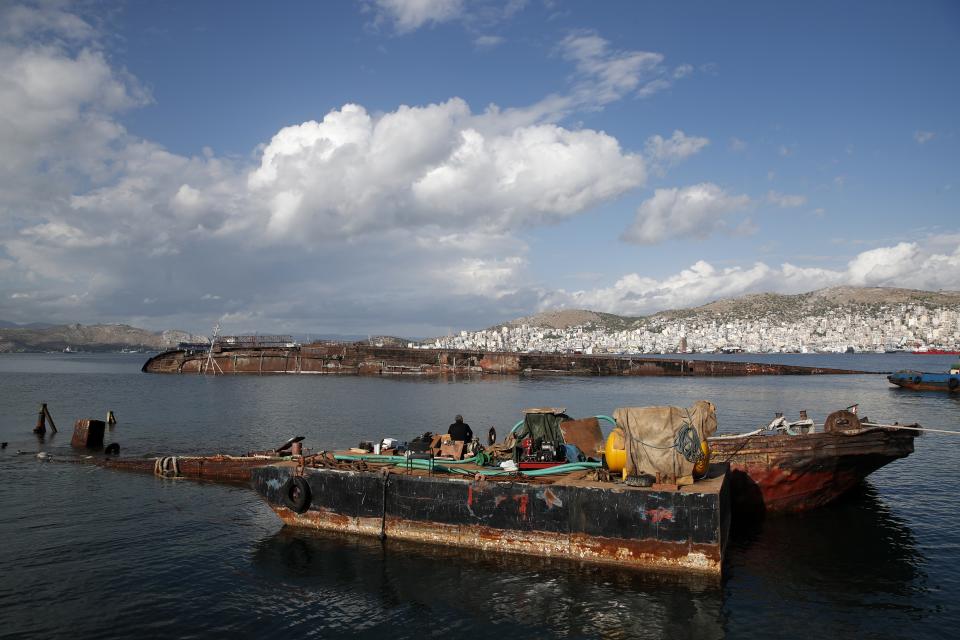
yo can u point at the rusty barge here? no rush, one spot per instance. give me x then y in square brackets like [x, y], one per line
[573, 517]
[537, 493]
[363, 359]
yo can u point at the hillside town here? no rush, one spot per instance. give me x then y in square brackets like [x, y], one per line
[858, 328]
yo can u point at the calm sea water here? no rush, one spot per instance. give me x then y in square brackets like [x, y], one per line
[88, 552]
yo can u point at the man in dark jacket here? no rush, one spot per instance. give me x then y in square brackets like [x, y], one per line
[460, 430]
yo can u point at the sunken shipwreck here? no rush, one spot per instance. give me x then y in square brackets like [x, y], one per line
[262, 355]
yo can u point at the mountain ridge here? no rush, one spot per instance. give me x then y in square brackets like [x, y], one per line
[752, 304]
[98, 337]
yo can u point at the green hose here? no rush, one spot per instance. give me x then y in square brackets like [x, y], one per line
[563, 468]
[480, 459]
[415, 463]
[368, 457]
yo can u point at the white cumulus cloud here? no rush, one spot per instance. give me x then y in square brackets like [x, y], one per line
[666, 152]
[437, 166]
[487, 42]
[357, 206]
[784, 200]
[409, 15]
[907, 264]
[483, 277]
[695, 211]
[608, 74]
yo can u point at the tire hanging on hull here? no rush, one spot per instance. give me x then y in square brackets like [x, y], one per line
[296, 494]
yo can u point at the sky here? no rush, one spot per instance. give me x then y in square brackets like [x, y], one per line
[414, 167]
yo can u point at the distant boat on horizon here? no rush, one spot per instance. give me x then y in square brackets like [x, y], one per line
[934, 352]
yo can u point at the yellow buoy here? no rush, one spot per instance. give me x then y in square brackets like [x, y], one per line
[700, 468]
[615, 450]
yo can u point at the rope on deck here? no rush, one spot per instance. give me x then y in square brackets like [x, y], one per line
[167, 467]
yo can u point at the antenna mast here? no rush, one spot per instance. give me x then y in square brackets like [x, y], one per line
[211, 363]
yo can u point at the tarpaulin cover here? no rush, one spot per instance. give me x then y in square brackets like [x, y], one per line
[585, 433]
[541, 427]
[652, 442]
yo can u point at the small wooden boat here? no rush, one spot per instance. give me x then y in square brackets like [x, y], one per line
[791, 467]
[225, 469]
[921, 381]
[221, 468]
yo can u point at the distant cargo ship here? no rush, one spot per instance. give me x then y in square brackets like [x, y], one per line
[934, 352]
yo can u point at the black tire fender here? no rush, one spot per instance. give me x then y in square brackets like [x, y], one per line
[953, 383]
[296, 494]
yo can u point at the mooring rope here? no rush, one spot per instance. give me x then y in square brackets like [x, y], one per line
[166, 467]
[687, 443]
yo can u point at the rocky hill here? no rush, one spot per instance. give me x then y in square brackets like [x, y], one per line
[750, 307]
[98, 337]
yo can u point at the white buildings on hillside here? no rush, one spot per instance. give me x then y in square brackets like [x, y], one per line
[867, 329]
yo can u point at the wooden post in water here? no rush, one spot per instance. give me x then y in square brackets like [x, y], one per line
[43, 416]
[46, 412]
[41, 421]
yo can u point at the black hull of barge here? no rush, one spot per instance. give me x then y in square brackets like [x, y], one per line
[684, 530]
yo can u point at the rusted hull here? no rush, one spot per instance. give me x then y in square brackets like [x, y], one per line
[356, 359]
[221, 469]
[663, 530]
[788, 474]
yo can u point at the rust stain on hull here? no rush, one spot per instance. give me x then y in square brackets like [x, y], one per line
[649, 554]
[783, 473]
[682, 530]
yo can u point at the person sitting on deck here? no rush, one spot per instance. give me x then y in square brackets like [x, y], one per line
[460, 430]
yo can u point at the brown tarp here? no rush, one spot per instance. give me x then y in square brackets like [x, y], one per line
[652, 443]
[585, 434]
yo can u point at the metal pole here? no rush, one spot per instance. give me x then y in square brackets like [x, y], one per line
[41, 425]
[46, 412]
[911, 428]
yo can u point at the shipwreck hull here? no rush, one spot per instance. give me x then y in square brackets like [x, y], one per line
[682, 530]
[789, 474]
[360, 359]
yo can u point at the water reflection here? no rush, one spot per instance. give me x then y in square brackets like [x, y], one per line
[833, 563]
[165, 558]
[423, 587]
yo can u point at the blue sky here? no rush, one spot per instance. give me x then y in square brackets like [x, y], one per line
[409, 166]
